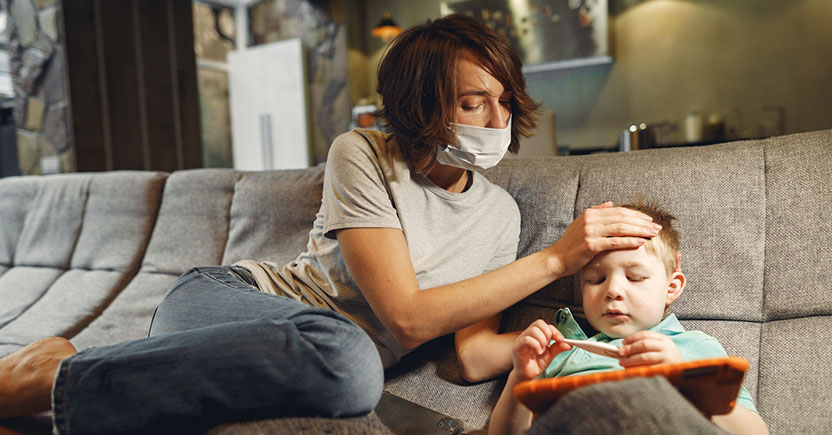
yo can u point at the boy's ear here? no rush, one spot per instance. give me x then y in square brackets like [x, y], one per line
[675, 287]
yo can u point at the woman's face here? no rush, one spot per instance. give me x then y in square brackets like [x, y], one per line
[481, 99]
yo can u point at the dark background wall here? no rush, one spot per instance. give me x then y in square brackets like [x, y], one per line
[133, 84]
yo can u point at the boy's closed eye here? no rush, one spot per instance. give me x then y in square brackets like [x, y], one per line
[595, 279]
[599, 279]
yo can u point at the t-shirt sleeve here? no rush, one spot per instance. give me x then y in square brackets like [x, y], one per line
[507, 250]
[355, 194]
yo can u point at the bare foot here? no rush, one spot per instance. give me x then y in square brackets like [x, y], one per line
[26, 376]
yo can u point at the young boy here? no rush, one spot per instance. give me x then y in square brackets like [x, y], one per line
[626, 297]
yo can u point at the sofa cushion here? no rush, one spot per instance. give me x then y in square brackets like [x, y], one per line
[795, 375]
[85, 291]
[16, 195]
[739, 339]
[798, 222]
[21, 287]
[128, 316]
[51, 226]
[80, 239]
[430, 376]
[545, 191]
[718, 196]
[119, 216]
[272, 213]
[192, 227]
[363, 425]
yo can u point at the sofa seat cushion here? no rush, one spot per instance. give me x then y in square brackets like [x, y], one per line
[368, 424]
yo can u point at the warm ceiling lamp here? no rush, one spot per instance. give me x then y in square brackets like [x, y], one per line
[386, 29]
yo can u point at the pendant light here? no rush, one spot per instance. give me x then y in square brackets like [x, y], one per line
[386, 29]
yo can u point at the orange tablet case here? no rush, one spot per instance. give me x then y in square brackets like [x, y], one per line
[712, 385]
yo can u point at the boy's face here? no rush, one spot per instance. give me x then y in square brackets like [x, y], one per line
[627, 291]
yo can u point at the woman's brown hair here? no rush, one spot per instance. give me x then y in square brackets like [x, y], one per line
[417, 83]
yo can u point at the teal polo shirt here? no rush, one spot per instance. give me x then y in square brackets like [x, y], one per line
[693, 345]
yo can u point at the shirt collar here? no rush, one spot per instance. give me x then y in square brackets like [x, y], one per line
[566, 324]
[669, 326]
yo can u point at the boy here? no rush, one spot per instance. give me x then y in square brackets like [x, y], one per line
[626, 297]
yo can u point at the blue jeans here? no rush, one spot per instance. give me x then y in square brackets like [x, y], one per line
[219, 350]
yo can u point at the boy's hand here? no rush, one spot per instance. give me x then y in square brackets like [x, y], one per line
[531, 353]
[647, 348]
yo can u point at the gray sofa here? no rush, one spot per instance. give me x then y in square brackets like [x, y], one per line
[89, 256]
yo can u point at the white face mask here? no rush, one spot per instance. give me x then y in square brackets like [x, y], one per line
[478, 147]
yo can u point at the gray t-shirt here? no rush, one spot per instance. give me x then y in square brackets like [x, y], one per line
[450, 236]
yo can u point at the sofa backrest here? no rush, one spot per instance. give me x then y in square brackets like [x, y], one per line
[210, 217]
[89, 256]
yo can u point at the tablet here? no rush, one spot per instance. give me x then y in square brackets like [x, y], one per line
[712, 384]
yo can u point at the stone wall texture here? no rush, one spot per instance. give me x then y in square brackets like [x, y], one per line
[37, 64]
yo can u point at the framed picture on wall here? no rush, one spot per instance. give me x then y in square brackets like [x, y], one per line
[547, 34]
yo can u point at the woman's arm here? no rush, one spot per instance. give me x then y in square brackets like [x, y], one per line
[379, 261]
[482, 351]
[741, 420]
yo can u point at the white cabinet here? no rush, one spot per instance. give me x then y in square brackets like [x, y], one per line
[269, 116]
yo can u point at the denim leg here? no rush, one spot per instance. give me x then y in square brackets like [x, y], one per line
[205, 296]
[260, 356]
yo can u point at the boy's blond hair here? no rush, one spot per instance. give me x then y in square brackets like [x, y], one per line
[665, 245]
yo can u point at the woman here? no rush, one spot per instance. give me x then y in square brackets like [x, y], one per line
[411, 243]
